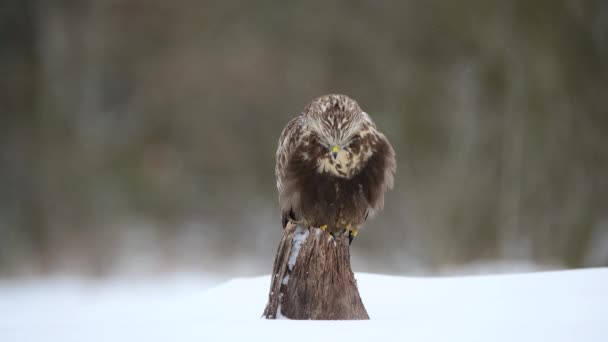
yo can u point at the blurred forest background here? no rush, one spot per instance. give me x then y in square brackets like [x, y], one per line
[139, 136]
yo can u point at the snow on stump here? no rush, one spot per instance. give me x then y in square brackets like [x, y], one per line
[312, 278]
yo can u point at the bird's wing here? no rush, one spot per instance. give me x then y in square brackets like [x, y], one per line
[288, 142]
[382, 147]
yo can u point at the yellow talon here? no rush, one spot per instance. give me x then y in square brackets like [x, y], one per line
[353, 231]
[324, 228]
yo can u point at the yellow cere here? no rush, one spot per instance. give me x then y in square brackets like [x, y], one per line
[335, 149]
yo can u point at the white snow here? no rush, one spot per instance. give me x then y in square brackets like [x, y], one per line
[299, 237]
[544, 306]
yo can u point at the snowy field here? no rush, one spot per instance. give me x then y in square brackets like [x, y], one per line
[545, 306]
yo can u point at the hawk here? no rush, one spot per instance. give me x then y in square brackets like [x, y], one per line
[333, 166]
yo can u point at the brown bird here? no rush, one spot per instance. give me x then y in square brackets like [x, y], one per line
[333, 166]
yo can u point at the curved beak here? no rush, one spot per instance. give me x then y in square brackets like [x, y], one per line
[334, 151]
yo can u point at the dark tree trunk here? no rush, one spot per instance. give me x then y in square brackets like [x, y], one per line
[312, 278]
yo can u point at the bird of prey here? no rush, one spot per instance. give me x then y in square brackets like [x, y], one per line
[333, 166]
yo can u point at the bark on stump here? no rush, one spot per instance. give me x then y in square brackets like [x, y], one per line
[312, 278]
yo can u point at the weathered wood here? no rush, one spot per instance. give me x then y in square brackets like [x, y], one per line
[312, 278]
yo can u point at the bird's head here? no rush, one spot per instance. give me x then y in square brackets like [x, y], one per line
[338, 130]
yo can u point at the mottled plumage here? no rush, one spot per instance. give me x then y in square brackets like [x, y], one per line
[333, 165]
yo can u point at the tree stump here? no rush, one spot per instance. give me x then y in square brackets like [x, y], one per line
[312, 278]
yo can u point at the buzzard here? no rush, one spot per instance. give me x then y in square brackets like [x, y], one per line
[333, 166]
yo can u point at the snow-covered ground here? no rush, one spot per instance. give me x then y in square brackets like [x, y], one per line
[545, 306]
